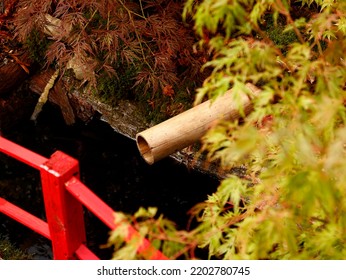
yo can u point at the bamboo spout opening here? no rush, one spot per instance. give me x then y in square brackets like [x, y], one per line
[180, 131]
[144, 149]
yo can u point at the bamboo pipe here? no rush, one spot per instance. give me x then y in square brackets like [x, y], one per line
[186, 128]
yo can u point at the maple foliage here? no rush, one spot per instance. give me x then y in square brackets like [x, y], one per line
[289, 203]
[106, 36]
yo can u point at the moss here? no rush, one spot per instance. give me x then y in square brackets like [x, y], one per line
[161, 107]
[37, 45]
[155, 108]
[151, 109]
[112, 88]
[184, 97]
[9, 251]
[275, 31]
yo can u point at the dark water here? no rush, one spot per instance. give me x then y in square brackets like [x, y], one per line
[110, 166]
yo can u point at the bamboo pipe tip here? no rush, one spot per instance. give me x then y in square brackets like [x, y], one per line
[145, 149]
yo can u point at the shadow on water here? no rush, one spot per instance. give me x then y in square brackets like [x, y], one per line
[110, 166]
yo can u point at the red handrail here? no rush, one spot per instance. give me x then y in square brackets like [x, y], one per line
[64, 197]
[108, 217]
[18, 152]
[24, 217]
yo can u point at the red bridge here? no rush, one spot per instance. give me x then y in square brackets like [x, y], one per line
[64, 197]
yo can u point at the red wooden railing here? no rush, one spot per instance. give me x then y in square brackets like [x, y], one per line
[64, 196]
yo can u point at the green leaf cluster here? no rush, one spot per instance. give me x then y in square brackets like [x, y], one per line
[161, 233]
[296, 206]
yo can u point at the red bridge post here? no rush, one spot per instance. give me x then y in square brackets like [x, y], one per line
[64, 212]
